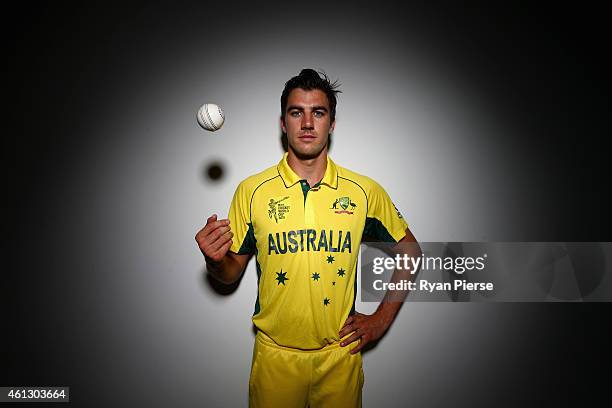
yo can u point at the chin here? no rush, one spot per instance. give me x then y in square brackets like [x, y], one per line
[307, 154]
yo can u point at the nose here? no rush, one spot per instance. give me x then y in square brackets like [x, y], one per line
[307, 121]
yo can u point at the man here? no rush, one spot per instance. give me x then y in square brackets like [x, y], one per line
[304, 219]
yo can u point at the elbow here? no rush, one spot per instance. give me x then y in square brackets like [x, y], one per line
[225, 278]
[230, 281]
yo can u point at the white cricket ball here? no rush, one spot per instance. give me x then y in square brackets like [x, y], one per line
[210, 117]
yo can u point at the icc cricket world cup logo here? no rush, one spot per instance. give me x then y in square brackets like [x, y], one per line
[277, 209]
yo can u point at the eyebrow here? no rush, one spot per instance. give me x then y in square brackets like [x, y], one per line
[301, 108]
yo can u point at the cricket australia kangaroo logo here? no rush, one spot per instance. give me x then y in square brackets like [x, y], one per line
[277, 209]
[345, 203]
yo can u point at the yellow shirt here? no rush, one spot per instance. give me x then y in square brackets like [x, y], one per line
[306, 242]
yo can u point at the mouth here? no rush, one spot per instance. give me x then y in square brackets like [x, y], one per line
[307, 137]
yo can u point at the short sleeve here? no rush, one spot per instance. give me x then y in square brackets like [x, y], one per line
[384, 222]
[240, 222]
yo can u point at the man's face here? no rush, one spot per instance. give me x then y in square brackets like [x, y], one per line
[307, 122]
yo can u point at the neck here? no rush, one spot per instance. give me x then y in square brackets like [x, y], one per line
[311, 169]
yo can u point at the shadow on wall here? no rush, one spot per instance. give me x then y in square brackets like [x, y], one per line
[213, 171]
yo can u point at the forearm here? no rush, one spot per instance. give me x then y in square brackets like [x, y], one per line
[393, 299]
[387, 311]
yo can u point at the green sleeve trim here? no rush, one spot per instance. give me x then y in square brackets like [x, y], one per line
[249, 245]
[375, 229]
[257, 307]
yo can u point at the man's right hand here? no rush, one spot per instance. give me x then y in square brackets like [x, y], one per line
[215, 239]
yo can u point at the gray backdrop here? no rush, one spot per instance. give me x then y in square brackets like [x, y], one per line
[474, 121]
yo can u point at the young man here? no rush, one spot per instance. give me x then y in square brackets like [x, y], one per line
[304, 219]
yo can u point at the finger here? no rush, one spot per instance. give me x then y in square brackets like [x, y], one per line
[211, 219]
[351, 339]
[223, 250]
[218, 224]
[213, 226]
[361, 345]
[200, 234]
[215, 246]
[216, 234]
[346, 330]
[204, 235]
[221, 253]
[353, 320]
[348, 321]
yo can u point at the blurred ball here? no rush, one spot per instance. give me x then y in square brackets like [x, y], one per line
[210, 117]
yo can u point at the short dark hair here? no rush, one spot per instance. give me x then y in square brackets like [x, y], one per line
[309, 79]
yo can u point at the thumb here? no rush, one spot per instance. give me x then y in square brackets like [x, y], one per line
[212, 218]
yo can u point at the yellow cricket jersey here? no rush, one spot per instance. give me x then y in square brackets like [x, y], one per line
[306, 242]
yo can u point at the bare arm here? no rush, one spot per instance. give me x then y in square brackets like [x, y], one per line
[214, 241]
[367, 328]
[392, 302]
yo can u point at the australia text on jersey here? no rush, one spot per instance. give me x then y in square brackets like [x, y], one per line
[306, 240]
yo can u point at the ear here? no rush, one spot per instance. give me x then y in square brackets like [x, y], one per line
[282, 123]
[332, 126]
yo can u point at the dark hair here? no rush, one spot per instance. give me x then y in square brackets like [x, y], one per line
[309, 79]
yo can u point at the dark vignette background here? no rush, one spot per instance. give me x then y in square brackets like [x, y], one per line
[548, 61]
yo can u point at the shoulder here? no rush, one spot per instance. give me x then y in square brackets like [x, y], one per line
[252, 183]
[367, 184]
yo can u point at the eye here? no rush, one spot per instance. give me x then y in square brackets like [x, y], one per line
[319, 114]
[295, 113]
